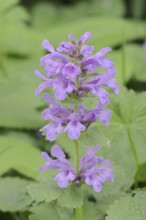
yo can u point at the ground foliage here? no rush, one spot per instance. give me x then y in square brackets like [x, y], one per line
[23, 193]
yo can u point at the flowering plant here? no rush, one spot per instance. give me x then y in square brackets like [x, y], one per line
[71, 72]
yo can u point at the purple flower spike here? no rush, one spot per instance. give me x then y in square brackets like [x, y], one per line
[94, 171]
[71, 74]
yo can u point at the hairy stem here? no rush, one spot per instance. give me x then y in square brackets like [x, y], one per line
[135, 156]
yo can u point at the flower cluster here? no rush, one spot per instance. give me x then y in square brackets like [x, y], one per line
[72, 122]
[70, 72]
[94, 171]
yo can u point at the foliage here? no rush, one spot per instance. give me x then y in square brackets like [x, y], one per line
[133, 208]
[14, 196]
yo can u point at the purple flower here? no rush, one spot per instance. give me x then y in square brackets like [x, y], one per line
[63, 119]
[94, 171]
[66, 170]
[71, 71]
[74, 127]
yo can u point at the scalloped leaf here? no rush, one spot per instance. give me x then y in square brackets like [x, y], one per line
[44, 191]
[13, 195]
[129, 208]
[128, 123]
[44, 211]
[71, 197]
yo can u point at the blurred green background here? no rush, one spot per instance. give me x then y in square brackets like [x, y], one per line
[24, 24]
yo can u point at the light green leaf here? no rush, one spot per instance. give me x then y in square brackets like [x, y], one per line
[21, 155]
[44, 191]
[92, 137]
[128, 123]
[47, 190]
[90, 211]
[128, 208]
[45, 211]
[19, 108]
[13, 195]
[71, 197]
[134, 66]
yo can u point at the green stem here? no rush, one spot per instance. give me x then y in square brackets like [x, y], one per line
[79, 213]
[76, 156]
[135, 156]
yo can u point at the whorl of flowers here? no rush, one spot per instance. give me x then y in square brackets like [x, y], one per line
[70, 72]
[94, 171]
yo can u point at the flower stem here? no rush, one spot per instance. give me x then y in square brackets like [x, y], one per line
[76, 156]
[79, 213]
[135, 156]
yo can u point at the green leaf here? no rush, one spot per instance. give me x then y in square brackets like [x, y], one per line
[134, 66]
[13, 195]
[44, 191]
[44, 211]
[17, 86]
[93, 136]
[128, 208]
[128, 123]
[90, 211]
[21, 155]
[47, 190]
[71, 197]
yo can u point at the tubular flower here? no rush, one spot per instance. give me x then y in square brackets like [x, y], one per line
[65, 119]
[94, 171]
